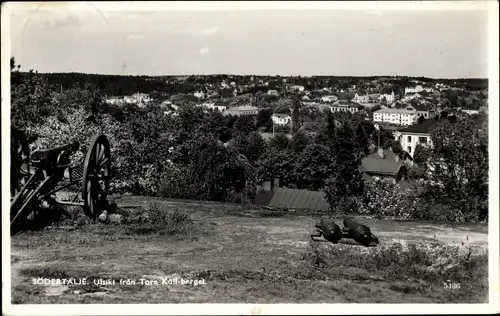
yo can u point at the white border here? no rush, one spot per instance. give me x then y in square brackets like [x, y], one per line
[299, 309]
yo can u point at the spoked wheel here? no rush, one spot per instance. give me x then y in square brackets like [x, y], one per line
[19, 160]
[96, 175]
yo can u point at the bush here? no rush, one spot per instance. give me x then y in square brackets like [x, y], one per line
[155, 218]
[383, 198]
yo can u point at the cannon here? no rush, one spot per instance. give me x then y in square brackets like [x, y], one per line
[329, 229]
[352, 230]
[360, 233]
[36, 177]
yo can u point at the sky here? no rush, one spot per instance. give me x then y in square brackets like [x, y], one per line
[89, 39]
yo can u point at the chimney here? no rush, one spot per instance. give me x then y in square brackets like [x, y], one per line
[276, 183]
[380, 151]
[267, 185]
[397, 158]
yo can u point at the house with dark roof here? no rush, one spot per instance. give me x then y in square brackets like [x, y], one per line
[417, 134]
[271, 194]
[383, 164]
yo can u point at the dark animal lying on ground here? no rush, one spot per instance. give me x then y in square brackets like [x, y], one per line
[329, 229]
[360, 233]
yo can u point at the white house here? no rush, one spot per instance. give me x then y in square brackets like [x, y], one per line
[416, 134]
[199, 95]
[281, 119]
[114, 100]
[390, 98]
[361, 98]
[297, 88]
[329, 98]
[470, 112]
[273, 92]
[396, 116]
[416, 89]
[137, 98]
[214, 107]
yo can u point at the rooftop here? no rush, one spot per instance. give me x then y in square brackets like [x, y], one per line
[390, 164]
[423, 127]
[395, 111]
[281, 115]
[344, 105]
[243, 108]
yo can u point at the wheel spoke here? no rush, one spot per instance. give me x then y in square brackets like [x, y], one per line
[103, 162]
[101, 153]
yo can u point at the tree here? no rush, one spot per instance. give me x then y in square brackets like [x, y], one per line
[345, 182]
[459, 169]
[31, 100]
[296, 117]
[279, 141]
[216, 124]
[211, 171]
[264, 119]
[421, 155]
[300, 141]
[274, 163]
[245, 124]
[251, 146]
[313, 167]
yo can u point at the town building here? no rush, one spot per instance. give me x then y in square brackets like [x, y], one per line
[470, 112]
[115, 100]
[329, 98]
[296, 88]
[242, 110]
[273, 92]
[416, 134]
[213, 106]
[281, 119]
[421, 110]
[361, 98]
[272, 194]
[199, 94]
[395, 116]
[389, 98]
[344, 107]
[383, 164]
[416, 89]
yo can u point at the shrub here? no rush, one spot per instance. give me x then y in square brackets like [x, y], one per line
[385, 199]
[155, 218]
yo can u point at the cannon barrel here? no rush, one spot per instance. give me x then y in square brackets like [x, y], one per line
[359, 232]
[52, 153]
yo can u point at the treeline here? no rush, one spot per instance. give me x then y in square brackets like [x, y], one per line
[126, 85]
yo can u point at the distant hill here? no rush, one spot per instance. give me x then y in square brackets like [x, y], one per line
[127, 84]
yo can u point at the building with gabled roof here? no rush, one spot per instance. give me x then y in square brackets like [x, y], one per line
[383, 163]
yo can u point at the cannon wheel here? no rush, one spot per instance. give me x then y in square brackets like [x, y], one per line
[20, 155]
[96, 174]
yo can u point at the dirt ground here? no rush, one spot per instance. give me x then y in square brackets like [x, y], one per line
[245, 256]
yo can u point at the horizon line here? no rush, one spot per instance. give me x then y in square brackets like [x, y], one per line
[263, 75]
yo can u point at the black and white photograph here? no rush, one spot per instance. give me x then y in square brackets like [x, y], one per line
[250, 154]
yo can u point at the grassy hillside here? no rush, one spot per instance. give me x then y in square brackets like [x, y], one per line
[235, 254]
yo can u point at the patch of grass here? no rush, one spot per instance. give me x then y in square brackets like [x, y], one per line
[156, 218]
[421, 265]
